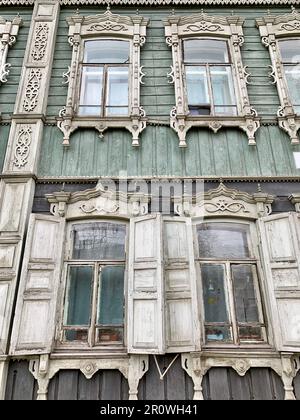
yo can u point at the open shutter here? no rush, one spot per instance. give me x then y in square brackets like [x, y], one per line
[34, 323]
[182, 317]
[281, 260]
[145, 299]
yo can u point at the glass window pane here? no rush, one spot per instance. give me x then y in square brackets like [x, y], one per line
[106, 51]
[117, 91]
[91, 91]
[205, 51]
[214, 293]
[111, 296]
[108, 335]
[197, 86]
[223, 90]
[217, 333]
[244, 293]
[223, 240]
[290, 50]
[76, 335]
[79, 294]
[250, 333]
[292, 74]
[99, 241]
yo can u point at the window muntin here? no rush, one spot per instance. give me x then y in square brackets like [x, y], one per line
[105, 78]
[290, 55]
[209, 78]
[231, 298]
[94, 298]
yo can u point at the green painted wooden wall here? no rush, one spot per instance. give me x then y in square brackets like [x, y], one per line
[8, 91]
[223, 154]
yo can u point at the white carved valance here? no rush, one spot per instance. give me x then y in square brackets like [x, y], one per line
[228, 28]
[98, 202]
[8, 37]
[224, 202]
[273, 28]
[81, 28]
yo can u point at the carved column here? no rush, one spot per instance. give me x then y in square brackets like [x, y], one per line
[288, 374]
[22, 155]
[191, 363]
[138, 366]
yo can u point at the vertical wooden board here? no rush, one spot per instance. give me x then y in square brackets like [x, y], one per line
[296, 384]
[162, 152]
[88, 389]
[67, 388]
[220, 151]
[4, 133]
[252, 166]
[71, 155]
[176, 379]
[277, 385]
[218, 384]
[280, 240]
[261, 384]
[192, 152]
[20, 385]
[4, 293]
[111, 385]
[179, 321]
[133, 154]
[206, 387]
[280, 146]
[206, 156]
[150, 386]
[240, 386]
[235, 140]
[265, 155]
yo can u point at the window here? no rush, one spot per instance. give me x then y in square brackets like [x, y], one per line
[105, 78]
[209, 81]
[281, 35]
[105, 75]
[290, 55]
[94, 297]
[229, 281]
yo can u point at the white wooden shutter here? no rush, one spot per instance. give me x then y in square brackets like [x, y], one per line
[145, 286]
[281, 260]
[182, 317]
[34, 323]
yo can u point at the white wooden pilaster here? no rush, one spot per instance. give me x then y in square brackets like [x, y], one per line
[3, 377]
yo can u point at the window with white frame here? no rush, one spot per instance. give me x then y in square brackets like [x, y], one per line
[209, 76]
[93, 310]
[105, 78]
[281, 35]
[209, 80]
[105, 75]
[228, 271]
[290, 58]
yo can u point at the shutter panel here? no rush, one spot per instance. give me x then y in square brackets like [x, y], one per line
[281, 259]
[145, 288]
[182, 317]
[34, 323]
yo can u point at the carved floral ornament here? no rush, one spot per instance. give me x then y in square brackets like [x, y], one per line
[228, 28]
[224, 201]
[131, 28]
[98, 202]
[273, 28]
[8, 36]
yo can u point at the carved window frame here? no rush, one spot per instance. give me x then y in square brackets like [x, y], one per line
[178, 29]
[8, 37]
[104, 26]
[274, 28]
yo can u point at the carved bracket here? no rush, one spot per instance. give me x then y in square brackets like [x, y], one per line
[8, 36]
[295, 200]
[108, 24]
[230, 29]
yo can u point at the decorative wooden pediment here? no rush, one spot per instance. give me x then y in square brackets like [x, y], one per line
[98, 201]
[225, 202]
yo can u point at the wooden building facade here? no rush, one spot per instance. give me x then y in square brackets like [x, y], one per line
[149, 199]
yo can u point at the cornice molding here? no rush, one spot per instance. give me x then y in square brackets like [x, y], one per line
[159, 2]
